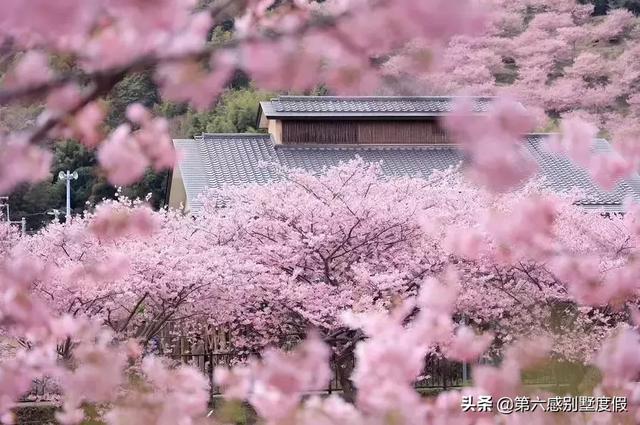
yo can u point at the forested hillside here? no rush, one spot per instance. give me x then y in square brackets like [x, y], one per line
[560, 59]
[601, 7]
[472, 67]
[234, 112]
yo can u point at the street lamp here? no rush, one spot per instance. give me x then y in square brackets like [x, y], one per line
[68, 176]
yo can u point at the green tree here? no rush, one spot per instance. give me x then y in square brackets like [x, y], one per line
[631, 5]
[601, 7]
[153, 187]
[138, 87]
[34, 201]
[236, 112]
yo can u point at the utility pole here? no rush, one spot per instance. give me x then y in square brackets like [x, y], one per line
[4, 203]
[68, 176]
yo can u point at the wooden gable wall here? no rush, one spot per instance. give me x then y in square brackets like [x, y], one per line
[361, 132]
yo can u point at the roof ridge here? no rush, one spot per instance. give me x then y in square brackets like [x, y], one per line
[367, 146]
[347, 98]
[557, 133]
[234, 136]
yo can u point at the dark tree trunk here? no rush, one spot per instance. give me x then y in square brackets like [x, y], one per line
[344, 368]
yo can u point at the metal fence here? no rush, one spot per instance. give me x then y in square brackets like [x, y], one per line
[40, 388]
[438, 374]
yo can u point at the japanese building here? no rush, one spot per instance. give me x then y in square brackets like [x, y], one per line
[403, 134]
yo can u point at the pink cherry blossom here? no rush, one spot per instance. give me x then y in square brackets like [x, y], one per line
[99, 374]
[63, 99]
[493, 143]
[467, 244]
[87, 123]
[236, 383]
[278, 383]
[530, 352]
[437, 296]
[528, 230]
[22, 163]
[122, 158]
[32, 69]
[112, 47]
[606, 169]
[609, 170]
[327, 411]
[502, 381]
[138, 114]
[18, 20]
[155, 142]
[466, 345]
[615, 24]
[618, 360]
[189, 82]
[577, 140]
[113, 222]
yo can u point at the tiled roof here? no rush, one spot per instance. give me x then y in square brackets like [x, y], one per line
[235, 158]
[562, 175]
[192, 168]
[368, 104]
[397, 160]
[214, 160]
[362, 106]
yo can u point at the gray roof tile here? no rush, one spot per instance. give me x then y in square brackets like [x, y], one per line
[397, 160]
[193, 170]
[235, 158]
[214, 160]
[363, 106]
[563, 175]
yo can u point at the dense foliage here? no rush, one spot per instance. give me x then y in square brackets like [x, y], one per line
[237, 108]
[386, 271]
[553, 56]
[601, 7]
[279, 260]
[235, 113]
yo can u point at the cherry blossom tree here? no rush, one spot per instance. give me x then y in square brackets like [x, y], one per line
[550, 55]
[107, 41]
[390, 359]
[281, 259]
[126, 267]
[383, 270]
[355, 248]
[9, 236]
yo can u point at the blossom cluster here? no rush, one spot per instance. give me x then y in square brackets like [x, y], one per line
[386, 271]
[275, 44]
[295, 255]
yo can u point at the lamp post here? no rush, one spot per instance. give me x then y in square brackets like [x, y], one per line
[68, 176]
